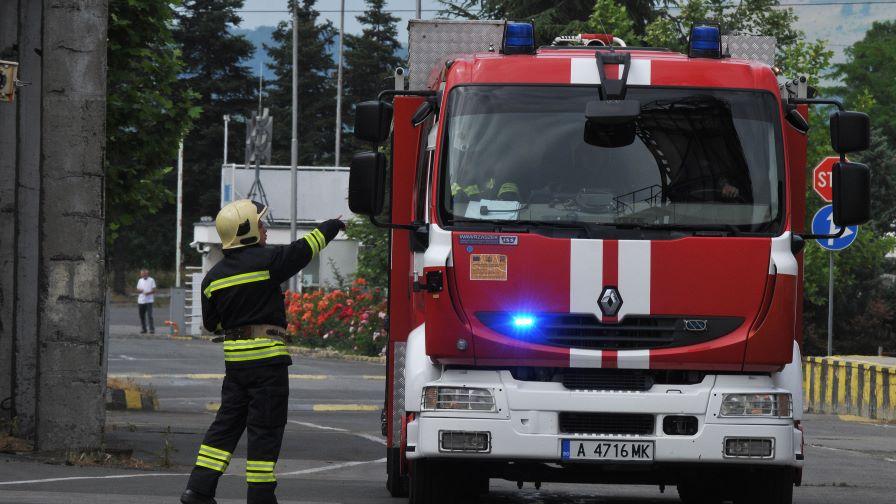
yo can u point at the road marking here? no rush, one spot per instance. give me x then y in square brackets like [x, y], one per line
[331, 467]
[181, 475]
[76, 478]
[375, 377]
[126, 357]
[853, 452]
[316, 426]
[213, 406]
[345, 407]
[369, 437]
[864, 420]
[220, 376]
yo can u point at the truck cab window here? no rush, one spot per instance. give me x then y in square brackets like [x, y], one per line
[702, 159]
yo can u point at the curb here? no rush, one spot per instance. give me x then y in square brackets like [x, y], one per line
[850, 387]
[328, 353]
[130, 399]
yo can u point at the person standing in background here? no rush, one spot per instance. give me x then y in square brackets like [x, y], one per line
[146, 287]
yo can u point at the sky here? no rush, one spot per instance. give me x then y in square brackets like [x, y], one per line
[839, 25]
[255, 19]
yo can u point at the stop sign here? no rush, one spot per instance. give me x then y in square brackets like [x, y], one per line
[821, 178]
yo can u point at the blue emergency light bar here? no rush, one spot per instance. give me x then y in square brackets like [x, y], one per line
[705, 42]
[519, 38]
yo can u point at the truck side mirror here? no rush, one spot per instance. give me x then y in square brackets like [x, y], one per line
[372, 120]
[851, 184]
[367, 183]
[850, 131]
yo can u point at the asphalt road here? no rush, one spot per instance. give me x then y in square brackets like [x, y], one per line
[333, 451]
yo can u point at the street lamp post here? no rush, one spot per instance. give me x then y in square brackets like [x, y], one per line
[339, 83]
[180, 205]
[294, 144]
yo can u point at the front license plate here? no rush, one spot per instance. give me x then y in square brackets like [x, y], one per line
[575, 449]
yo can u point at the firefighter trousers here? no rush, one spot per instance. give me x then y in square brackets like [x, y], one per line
[253, 399]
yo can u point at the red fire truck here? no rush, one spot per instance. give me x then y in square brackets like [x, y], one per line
[595, 262]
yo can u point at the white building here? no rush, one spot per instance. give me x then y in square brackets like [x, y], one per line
[322, 194]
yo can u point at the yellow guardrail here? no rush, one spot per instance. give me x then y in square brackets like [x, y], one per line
[864, 387]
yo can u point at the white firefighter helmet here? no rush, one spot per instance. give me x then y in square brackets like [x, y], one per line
[237, 223]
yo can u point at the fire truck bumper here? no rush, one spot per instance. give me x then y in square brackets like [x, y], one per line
[544, 421]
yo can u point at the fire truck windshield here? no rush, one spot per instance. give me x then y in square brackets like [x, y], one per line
[701, 159]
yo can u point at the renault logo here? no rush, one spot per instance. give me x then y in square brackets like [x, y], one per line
[695, 325]
[610, 301]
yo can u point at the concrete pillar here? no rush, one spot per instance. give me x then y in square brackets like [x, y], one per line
[56, 369]
[9, 29]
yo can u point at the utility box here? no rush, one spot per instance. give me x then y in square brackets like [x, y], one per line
[8, 75]
[751, 47]
[176, 311]
[432, 41]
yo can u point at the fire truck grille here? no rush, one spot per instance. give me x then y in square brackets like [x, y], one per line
[572, 330]
[607, 423]
[597, 379]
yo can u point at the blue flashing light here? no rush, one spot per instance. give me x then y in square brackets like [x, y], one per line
[519, 38]
[523, 322]
[705, 42]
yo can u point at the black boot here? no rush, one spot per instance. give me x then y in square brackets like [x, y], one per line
[191, 497]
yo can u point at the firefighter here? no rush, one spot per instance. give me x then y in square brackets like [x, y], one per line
[241, 297]
[485, 188]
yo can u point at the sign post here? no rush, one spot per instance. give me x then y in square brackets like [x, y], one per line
[830, 303]
[823, 223]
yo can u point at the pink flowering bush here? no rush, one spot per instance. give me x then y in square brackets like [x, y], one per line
[350, 320]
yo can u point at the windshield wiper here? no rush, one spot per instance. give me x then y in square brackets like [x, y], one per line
[696, 229]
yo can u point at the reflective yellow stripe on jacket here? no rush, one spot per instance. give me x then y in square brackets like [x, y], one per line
[316, 241]
[244, 278]
[253, 349]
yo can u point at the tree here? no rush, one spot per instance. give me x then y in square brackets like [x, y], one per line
[812, 59]
[146, 115]
[214, 69]
[552, 18]
[865, 313]
[759, 17]
[370, 58]
[317, 91]
[373, 251]
[870, 68]
[609, 16]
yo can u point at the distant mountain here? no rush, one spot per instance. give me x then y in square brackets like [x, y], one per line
[262, 35]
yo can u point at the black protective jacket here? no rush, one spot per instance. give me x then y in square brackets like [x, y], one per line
[244, 288]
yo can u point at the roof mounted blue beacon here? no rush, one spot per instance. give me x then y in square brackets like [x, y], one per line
[519, 38]
[705, 41]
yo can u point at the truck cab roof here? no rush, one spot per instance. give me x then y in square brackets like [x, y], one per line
[578, 66]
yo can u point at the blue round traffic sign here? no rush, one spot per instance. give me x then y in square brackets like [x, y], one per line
[823, 223]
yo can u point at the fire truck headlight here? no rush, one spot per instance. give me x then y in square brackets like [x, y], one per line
[457, 399]
[763, 405]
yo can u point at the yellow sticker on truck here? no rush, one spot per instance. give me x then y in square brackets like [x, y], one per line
[488, 267]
